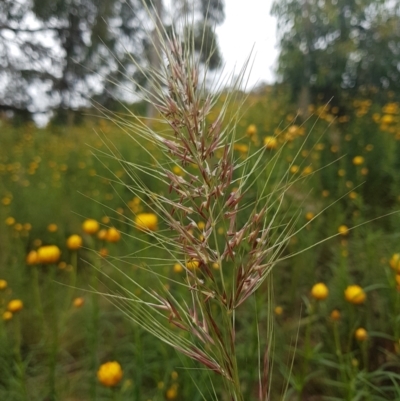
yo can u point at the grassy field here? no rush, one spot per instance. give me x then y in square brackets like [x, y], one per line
[336, 289]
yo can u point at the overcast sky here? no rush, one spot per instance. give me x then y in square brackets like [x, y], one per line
[249, 23]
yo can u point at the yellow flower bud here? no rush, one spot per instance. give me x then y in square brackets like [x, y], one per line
[48, 254]
[361, 334]
[90, 226]
[355, 294]
[74, 242]
[146, 221]
[15, 305]
[110, 374]
[270, 142]
[78, 302]
[319, 291]
[7, 315]
[113, 235]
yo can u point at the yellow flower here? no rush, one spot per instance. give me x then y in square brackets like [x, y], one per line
[105, 219]
[177, 170]
[343, 230]
[270, 142]
[309, 216]
[361, 334]
[394, 262]
[78, 302]
[241, 147]
[178, 268]
[110, 374]
[215, 266]
[355, 294]
[335, 315]
[387, 119]
[319, 291]
[10, 221]
[52, 228]
[102, 234]
[278, 310]
[172, 392]
[90, 226]
[74, 242]
[7, 315]
[146, 221]
[48, 254]
[3, 284]
[15, 305]
[192, 264]
[307, 170]
[103, 252]
[358, 160]
[113, 235]
[251, 130]
[294, 169]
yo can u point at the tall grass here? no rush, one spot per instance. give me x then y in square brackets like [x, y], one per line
[219, 218]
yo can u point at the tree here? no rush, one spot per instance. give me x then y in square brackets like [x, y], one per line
[328, 46]
[68, 52]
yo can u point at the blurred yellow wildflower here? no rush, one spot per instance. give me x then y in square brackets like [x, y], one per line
[309, 216]
[3, 284]
[361, 334]
[78, 302]
[307, 170]
[10, 221]
[7, 315]
[394, 262]
[355, 294]
[48, 254]
[251, 130]
[177, 170]
[358, 160]
[113, 235]
[319, 291]
[278, 310]
[102, 234]
[178, 268]
[52, 228]
[103, 252]
[270, 142]
[343, 230]
[192, 264]
[335, 315]
[15, 305]
[74, 242]
[90, 226]
[172, 392]
[110, 374]
[146, 221]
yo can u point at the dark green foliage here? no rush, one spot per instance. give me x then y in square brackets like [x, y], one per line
[328, 46]
[83, 49]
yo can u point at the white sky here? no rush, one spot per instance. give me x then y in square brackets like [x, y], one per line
[248, 23]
